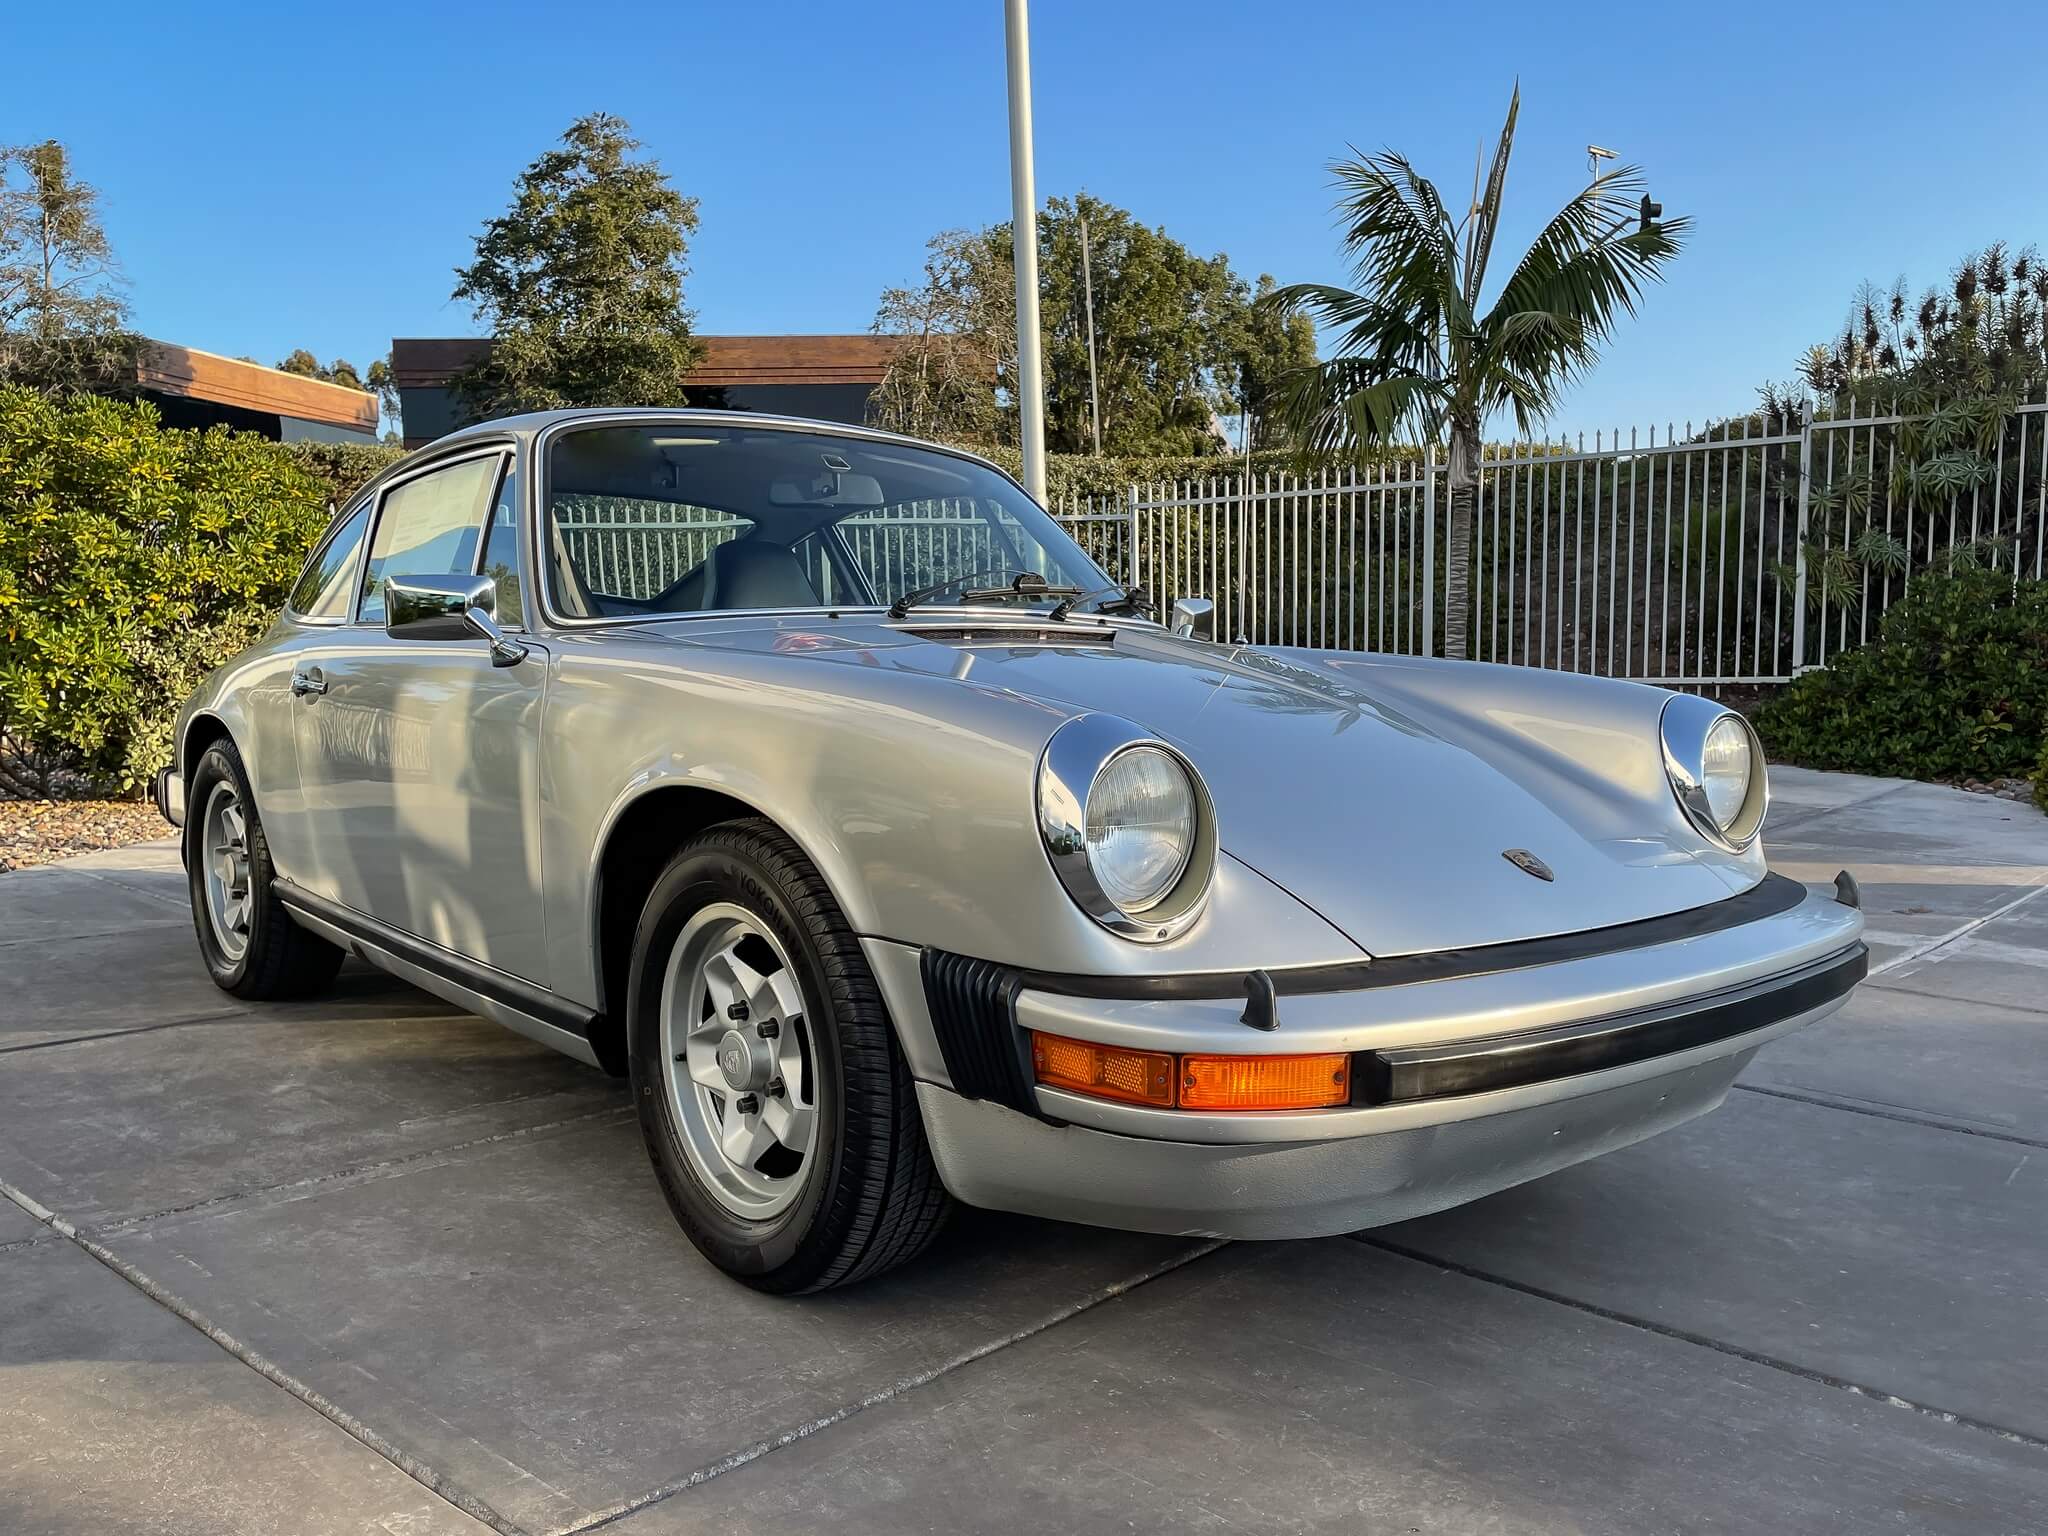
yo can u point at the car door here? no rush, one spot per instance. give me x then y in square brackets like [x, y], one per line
[418, 760]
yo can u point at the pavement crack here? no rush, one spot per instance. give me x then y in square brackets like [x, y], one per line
[733, 1461]
[419, 1471]
[1903, 1116]
[1974, 1002]
[1704, 1341]
[1942, 941]
[360, 1173]
[222, 1017]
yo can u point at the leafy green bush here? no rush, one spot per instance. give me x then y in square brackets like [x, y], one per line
[133, 559]
[344, 468]
[1956, 686]
[2041, 780]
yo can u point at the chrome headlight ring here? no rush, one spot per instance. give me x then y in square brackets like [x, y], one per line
[1687, 724]
[1073, 763]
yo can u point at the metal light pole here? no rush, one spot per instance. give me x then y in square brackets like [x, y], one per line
[1024, 252]
[1088, 306]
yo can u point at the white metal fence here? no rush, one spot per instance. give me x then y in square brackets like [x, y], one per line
[1742, 553]
[1739, 554]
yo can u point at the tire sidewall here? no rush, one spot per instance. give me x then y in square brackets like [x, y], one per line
[218, 764]
[720, 872]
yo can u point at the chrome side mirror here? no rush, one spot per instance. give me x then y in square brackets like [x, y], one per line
[1194, 617]
[448, 608]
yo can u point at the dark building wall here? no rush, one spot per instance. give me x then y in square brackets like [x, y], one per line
[431, 411]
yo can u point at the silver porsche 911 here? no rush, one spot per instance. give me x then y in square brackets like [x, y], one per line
[816, 780]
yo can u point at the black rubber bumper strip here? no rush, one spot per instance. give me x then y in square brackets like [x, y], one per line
[1769, 897]
[1424, 1073]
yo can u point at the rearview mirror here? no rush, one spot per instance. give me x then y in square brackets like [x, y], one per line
[457, 607]
[1194, 617]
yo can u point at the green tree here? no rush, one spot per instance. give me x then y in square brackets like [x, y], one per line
[1414, 353]
[580, 282]
[63, 324]
[955, 332]
[1271, 341]
[1176, 338]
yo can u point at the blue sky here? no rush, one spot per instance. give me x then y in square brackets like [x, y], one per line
[280, 176]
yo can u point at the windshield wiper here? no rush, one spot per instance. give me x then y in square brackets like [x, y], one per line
[1127, 600]
[1026, 584]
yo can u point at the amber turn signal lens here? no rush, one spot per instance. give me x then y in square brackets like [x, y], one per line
[1191, 1082]
[1107, 1072]
[1264, 1082]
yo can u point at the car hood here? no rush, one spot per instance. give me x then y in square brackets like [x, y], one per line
[1392, 830]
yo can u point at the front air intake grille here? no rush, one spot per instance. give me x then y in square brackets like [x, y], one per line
[973, 1009]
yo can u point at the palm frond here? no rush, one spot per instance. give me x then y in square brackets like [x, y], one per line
[1348, 406]
[1486, 217]
[1367, 326]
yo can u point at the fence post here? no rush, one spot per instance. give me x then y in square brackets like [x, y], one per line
[1429, 551]
[1799, 540]
[1131, 552]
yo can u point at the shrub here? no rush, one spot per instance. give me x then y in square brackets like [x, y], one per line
[344, 468]
[2041, 779]
[1956, 686]
[133, 558]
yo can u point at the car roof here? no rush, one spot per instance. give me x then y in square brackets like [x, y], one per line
[532, 423]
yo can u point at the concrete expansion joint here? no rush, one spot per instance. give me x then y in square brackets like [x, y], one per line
[1701, 1340]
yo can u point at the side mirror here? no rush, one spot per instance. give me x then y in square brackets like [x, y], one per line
[448, 608]
[1194, 617]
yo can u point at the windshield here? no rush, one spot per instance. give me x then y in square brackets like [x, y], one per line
[685, 517]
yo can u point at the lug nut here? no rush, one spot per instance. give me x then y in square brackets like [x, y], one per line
[747, 1104]
[737, 1011]
[775, 1087]
[768, 1029]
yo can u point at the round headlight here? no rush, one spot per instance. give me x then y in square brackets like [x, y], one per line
[1725, 768]
[1140, 827]
[1716, 767]
[1128, 827]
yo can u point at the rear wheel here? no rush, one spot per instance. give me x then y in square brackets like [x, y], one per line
[776, 1105]
[252, 946]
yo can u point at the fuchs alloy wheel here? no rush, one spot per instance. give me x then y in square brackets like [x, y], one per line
[252, 946]
[777, 1108]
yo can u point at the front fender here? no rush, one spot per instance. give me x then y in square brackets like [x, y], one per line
[913, 794]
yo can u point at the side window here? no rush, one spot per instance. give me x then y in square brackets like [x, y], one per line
[429, 527]
[501, 551]
[324, 587]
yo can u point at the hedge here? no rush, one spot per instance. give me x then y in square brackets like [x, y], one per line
[1955, 687]
[133, 559]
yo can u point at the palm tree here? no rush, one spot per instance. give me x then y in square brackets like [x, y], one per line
[1415, 357]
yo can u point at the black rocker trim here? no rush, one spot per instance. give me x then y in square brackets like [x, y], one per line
[497, 986]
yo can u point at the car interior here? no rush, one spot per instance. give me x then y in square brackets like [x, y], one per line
[702, 519]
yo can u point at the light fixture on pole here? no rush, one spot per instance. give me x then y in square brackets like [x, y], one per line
[1024, 251]
[1594, 155]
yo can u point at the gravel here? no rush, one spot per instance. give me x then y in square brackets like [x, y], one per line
[44, 831]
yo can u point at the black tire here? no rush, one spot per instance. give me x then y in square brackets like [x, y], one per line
[279, 958]
[870, 1197]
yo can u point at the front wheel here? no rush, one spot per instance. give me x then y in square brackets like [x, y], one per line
[777, 1108]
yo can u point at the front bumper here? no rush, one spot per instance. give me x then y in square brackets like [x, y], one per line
[1466, 1084]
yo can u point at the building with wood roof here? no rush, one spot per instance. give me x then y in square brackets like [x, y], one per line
[826, 377]
[198, 389]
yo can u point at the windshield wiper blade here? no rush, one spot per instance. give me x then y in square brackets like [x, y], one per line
[1026, 584]
[1128, 600]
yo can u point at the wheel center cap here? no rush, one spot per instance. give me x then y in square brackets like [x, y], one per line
[742, 1063]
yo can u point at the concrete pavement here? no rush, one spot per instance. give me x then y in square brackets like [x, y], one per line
[369, 1264]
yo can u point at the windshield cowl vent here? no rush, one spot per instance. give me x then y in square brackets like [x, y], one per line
[1014, 634]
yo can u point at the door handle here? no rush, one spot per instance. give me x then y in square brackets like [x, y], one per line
[308, 680]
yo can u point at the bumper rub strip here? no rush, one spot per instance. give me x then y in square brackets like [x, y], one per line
[1416, 1073]
[1769, 897]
